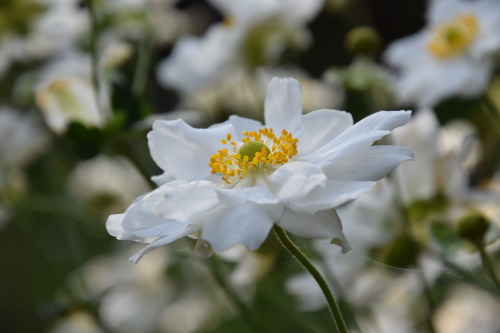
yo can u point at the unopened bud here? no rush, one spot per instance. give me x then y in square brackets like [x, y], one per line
[473, 227]
[363, 41]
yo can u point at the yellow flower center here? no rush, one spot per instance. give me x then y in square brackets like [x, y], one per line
[258, 150]
[453, 37]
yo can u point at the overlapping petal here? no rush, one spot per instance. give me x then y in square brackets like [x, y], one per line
[182, 151]
[320, 127]
[247, 224]
[333, 194]
[322, 225]
[357, 137]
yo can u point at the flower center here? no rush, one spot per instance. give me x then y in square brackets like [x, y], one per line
[453, 37]
[257, 151]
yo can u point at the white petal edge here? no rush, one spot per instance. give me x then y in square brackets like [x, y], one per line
[322, 225]
[283, 105]
[182, 151]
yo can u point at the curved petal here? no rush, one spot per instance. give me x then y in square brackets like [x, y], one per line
[373, 164]
[358, 137]
[182, 151]
[186, 201]
[180, 232]
[295, 180]
[322, 225]
[246, 224]
[333, 194]
[115, 228]
[331, 123]
[283, 105]
[141, 221]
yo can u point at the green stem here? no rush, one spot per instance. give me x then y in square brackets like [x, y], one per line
[93, 36]
[472, 279]
[297, 253]
[430, 301]
[143, 61]
[487, 263]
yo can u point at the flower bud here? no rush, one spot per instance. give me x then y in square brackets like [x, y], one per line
[363, 41]
[473, 227]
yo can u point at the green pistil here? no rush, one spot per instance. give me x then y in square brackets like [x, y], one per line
[251, 148]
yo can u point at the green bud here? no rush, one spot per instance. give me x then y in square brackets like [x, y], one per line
[363, 41]
[473, 227]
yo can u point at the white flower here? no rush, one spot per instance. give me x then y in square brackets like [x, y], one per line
[453, 55]
[252, 32]
[230, 183]
[54, 26]
[109, 183]
[68, 100]
[21, 137]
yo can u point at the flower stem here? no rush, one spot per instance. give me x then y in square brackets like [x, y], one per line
[487, 263]
[143, 58]
[297, 253]
[93, 38]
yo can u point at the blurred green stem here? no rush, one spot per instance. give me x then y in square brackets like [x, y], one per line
[297, 253]
[487, 263]
[491, 109]
[93, 36]
[143, 60]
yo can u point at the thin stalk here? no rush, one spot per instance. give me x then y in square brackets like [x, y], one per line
[143, 60]
[93, 38]
[471, 278]
[487, 263]
[297, 253]
[430, 301]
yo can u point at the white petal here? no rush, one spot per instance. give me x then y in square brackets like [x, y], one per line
[283, 106]
[241, 124]
[333, 194]
[373, 164]
[321, 127]
[322, 225]
[358, 137]
[115, 228]
[143, 223]
[183, 151]
[162, 241]
[259, 194]
[246, 224]
[294, 180]
[186, 201]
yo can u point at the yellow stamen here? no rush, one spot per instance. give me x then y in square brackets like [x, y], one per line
[258, 150]
[453, 37]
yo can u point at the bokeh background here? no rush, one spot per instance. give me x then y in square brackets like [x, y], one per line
[83, 80]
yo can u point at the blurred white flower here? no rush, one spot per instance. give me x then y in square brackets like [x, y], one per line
[76, 322]
[243, 94]
[22, 137]
[468, 310]
[230, 188]
[454, 55]
[67, 100]
[252, 33]
[107, 183]
[52, 26]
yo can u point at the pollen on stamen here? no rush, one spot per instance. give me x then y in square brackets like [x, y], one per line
[252, 153]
